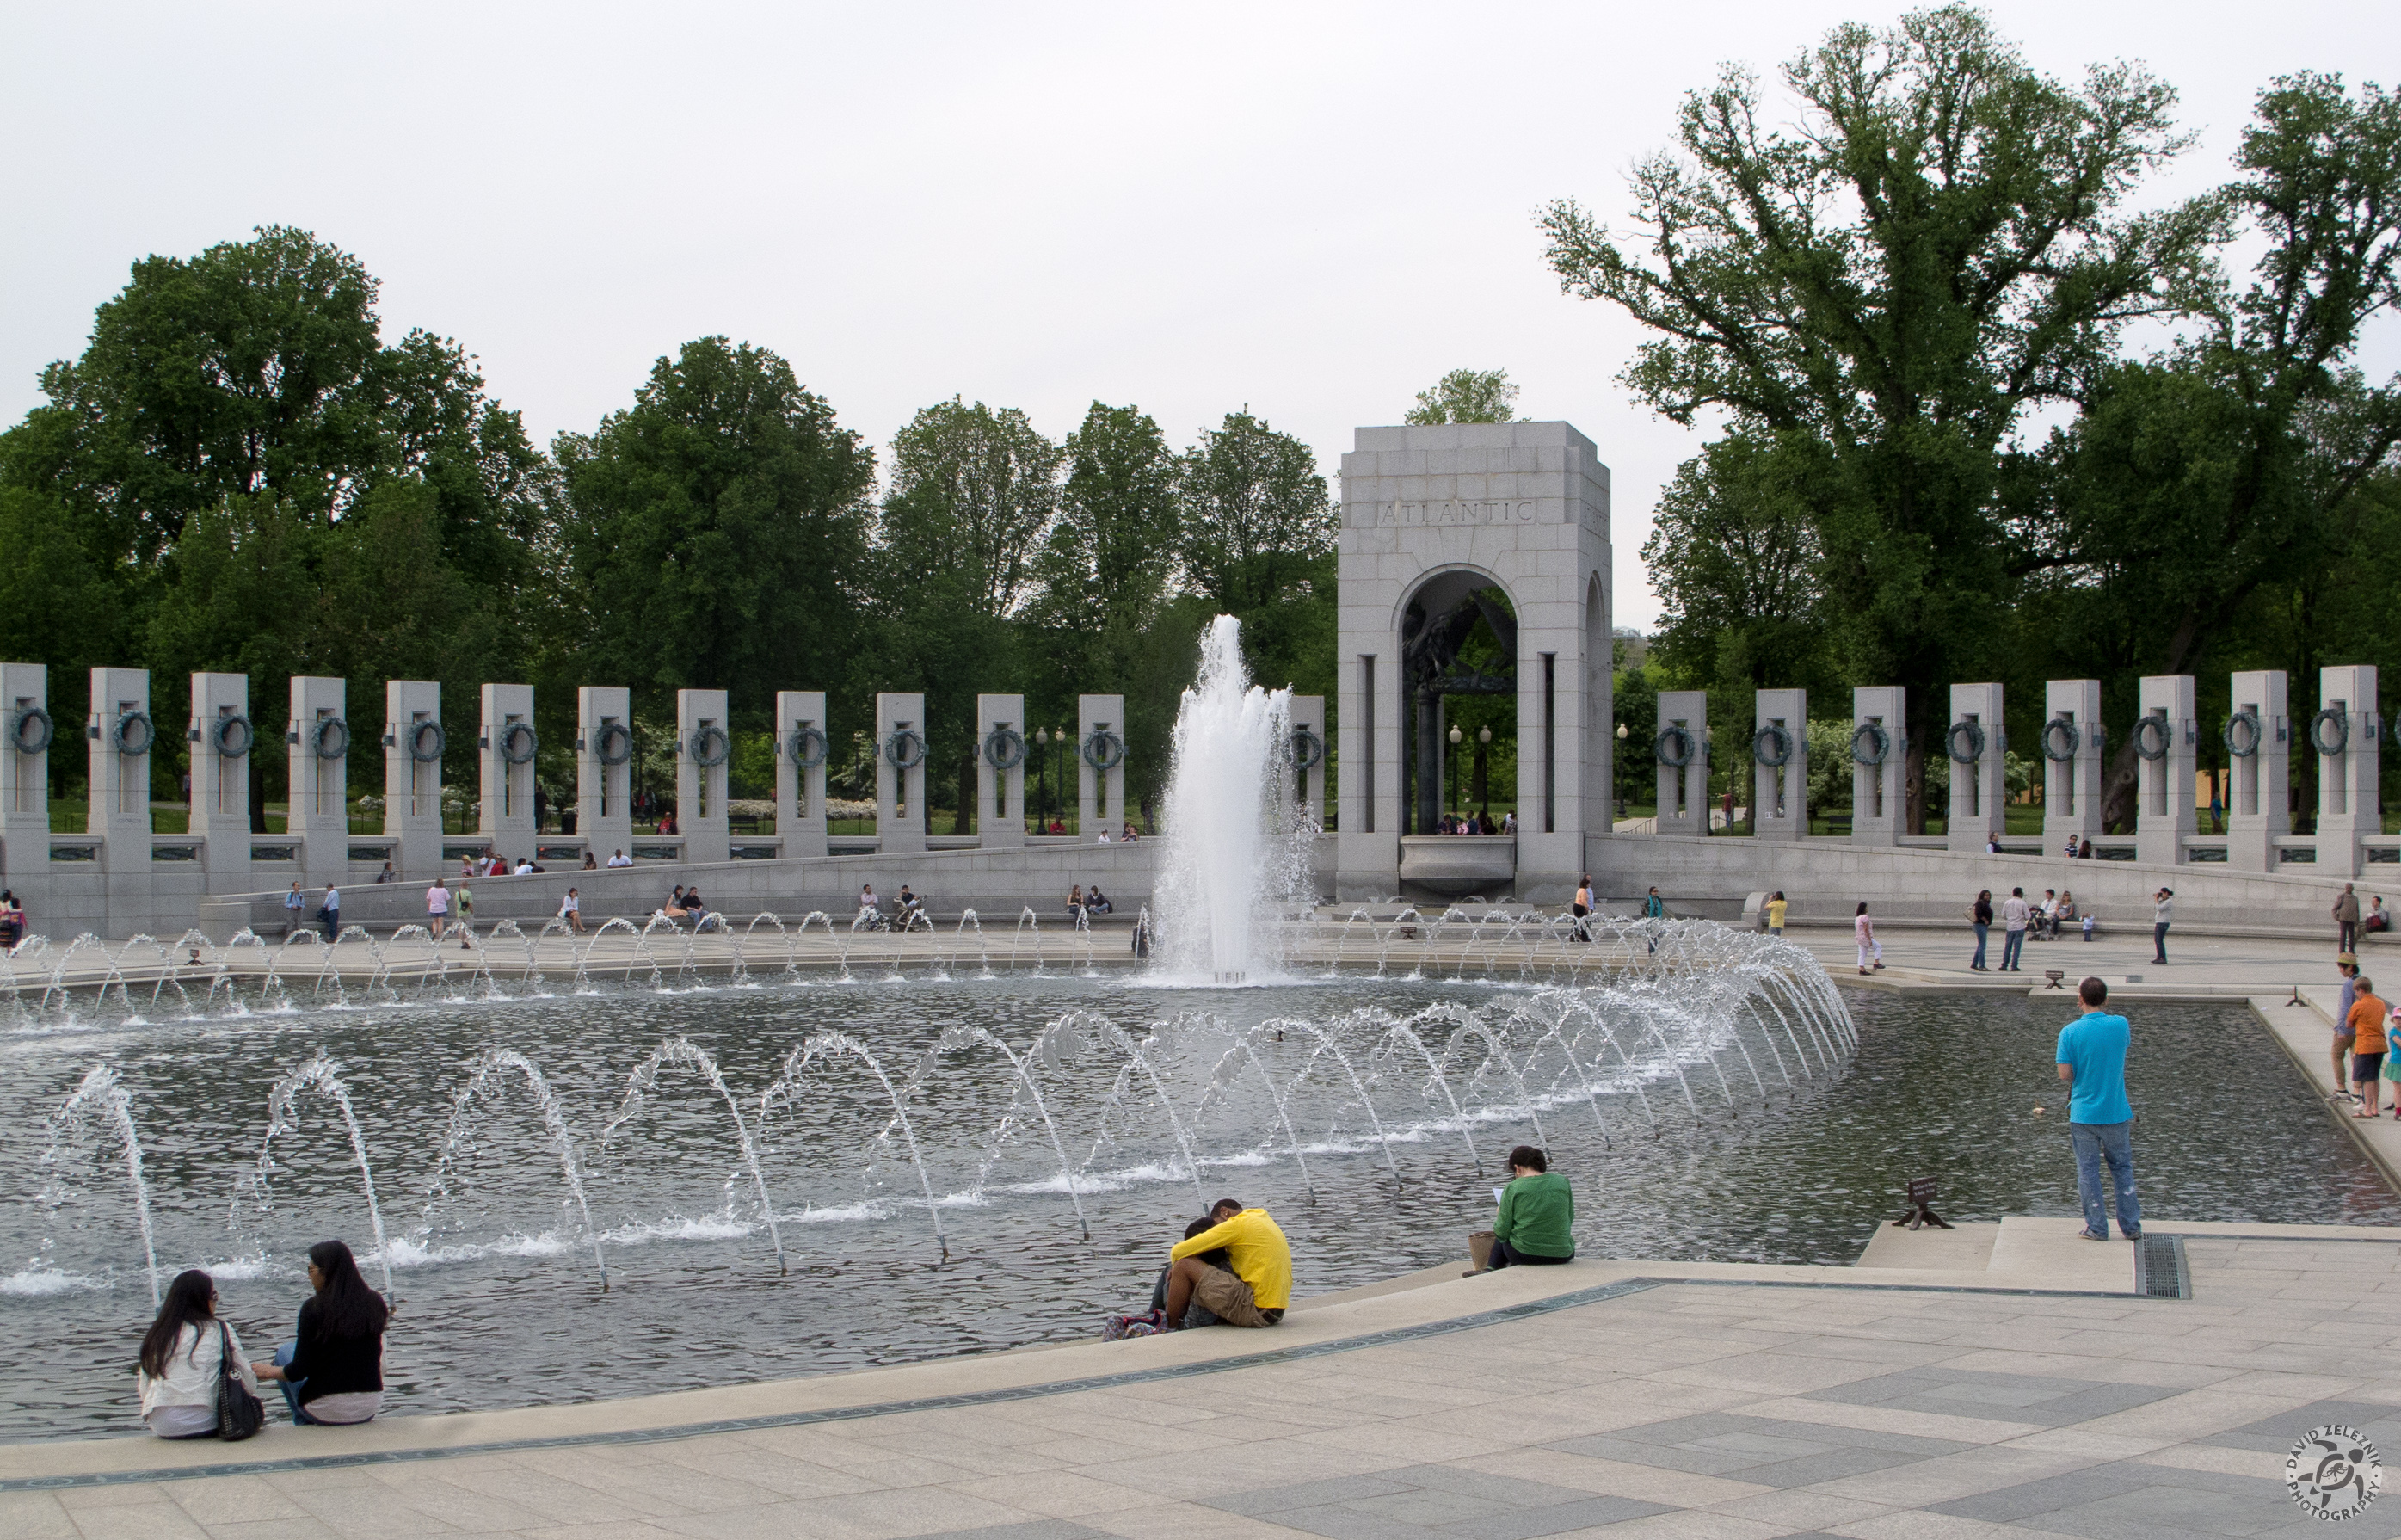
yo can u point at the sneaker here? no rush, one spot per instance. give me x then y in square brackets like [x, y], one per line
[2088, 1235]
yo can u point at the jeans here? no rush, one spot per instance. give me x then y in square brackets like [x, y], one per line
[1982, 932]
[1505, 1255]
[2115, 1143]
[2160, 941]
[2346, 935]
[291, 1388]
[2012, 950]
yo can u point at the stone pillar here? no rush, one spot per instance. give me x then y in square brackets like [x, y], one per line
[2071, 762]
[1309, 757]
[219, 740]
[704, 747]
[2350, 807]
[2259, 760]
[1980, 784]
[901, 750]
[604, 769]
[803, 747]
[2164, 728]
[1879, 782]
[412, 775]
[1367, 822]
[120, 736]
[1100, 765]
[316, 758]
[1431, 518]
[1780, 794]
[25, 776]
[1002, 743]
[1683, 791]
[505, 761]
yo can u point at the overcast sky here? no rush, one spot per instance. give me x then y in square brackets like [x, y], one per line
[1311, 209]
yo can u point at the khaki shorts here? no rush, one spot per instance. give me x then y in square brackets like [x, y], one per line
[1229, 1299]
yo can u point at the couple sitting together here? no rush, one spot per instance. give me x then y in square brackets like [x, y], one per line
[1233, 1269]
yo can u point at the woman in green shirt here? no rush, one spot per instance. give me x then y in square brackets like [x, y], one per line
[1537, 1219]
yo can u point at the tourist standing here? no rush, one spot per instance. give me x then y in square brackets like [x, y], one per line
[1655, 909]
[2347, 967]
[2346, 920]
[294, 904]
[1776, 908]
[1980, 916]
[1582, 907]
[331, 912]
[2162, 916]
[2366, 1019]
[1863, 930]
[437, 908]
[466, 916]
[387, 875]
[2091, 1059]
[2014, 930]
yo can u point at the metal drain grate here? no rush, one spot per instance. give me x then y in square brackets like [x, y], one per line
[2160, 1269]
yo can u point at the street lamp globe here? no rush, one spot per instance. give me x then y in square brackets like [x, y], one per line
[1456, 736]
[1484, 736]
[1621, 732]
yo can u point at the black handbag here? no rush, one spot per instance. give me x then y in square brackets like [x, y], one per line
[239, 1413]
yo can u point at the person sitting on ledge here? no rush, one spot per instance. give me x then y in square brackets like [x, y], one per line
[1130, 836]
[1153, 1320]
[867, 904]
[182, 1358]
[1074, 900]
[591, 860]
[1098, 902]
[621, 859]
[1536, 1224]
[698, 913]
[674, 909]
[1259, 1285]
[907, 907]
[331, 1371]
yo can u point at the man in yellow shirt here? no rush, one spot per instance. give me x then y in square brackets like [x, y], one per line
[1255, 1293]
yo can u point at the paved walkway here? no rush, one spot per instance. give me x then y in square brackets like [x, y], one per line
[1602, 1399]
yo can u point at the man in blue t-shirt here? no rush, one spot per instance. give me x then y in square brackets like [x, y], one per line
[2093, 1061]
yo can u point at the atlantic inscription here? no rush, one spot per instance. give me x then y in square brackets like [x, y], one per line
[1504, 511]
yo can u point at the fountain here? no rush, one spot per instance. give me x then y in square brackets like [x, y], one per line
[1237, 854]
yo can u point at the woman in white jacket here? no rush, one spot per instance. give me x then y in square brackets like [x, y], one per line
[182, 1357]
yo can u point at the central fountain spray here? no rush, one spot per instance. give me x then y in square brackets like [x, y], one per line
[1236, 848]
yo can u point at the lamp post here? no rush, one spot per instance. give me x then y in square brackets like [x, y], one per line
[1058, 769]
[1620, 776]
[1483, 771]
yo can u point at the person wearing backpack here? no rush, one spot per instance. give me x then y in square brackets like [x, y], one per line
[185, 1358]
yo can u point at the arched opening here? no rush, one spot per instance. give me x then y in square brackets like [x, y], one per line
[1459, 703]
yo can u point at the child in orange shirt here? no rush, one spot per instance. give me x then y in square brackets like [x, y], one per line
[2366, 1025]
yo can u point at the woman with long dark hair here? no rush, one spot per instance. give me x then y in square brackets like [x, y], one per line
[182, 1353]
[331, 1371]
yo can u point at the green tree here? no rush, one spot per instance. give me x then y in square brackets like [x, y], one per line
[1466, 395]
[1935, 249]
[715, 531]
[1256, 542]
[2235, 468]
[1102, 581]
[974, 492]
[1736, 565]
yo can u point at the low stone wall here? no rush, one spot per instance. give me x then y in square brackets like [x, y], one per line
[997, 884]
[1825, 880]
